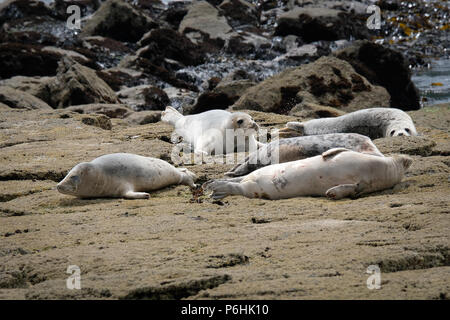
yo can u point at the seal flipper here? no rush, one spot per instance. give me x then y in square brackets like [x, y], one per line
[297, 126]
[330, 154]
[136, 195]
[223, 188]
[343, 191]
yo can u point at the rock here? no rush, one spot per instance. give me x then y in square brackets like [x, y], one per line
[314, 111]
[385, 67]
[144, 97]
[118, 20]
[166, 43]
[76, 84]
[245, 43]
[27, 60]
[174, 14]
[118, 77]
[203, 23]
[20, 100]
[108, 52]
[149, 69]
[97, 120]
[306, 51]
[419, 145]
[222, 96]
[313, 24]
[17, 9]
[239, 12]
[327, 81]
[29, 37]
[36, 86]
[144, 117]
[87, 6]
[110, 110]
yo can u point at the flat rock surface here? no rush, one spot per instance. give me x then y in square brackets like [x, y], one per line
[172, 247]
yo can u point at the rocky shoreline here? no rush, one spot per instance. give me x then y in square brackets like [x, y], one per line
[68, 96]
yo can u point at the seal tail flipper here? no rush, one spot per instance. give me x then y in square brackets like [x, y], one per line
[136, 195]
[170, 115]
[330, 154]
[342, 191]
[222, 188]
[297, 126]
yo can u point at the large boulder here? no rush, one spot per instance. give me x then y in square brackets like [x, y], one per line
[163, 44]
[76, 84]
[385, 67]
[20, 100]
[328, 81]
[239, 12]
[144, 97]
[118, 20]
[34, 60]
[110, 110]
[204, 23]
[313, 24]
[36, 86]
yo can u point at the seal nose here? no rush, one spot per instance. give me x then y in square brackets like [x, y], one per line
[400, 134]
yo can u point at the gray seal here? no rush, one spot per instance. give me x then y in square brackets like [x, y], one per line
[291, 149]
[122, 175]
[336, 174]
[374, 123]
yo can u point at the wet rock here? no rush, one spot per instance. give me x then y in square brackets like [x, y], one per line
[385, 67]
[76, 84]
[166, 43]
[18, 9]
[203, 23]
[97, 120]
[110, 110]
[118, 20]
[246, 43]
[222, 96]
[118, 77]
[150, 69]
[27, 60]
[327, 81]
[108, 52]
[87, 7]
[20, 100]
[313, 24]
[36, 86]
[144, 117]
[174, 14]
[239, 12]
[144, 97]
[29, 37]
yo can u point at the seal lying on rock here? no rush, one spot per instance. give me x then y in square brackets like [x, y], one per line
[297, 148]
[212, 131]
[374, 123]
[122, 175]
[337, 173]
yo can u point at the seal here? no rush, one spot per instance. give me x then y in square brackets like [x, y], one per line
[374, 123]
[209, 132]
[297, 148]
[336, 173]
[122, 175]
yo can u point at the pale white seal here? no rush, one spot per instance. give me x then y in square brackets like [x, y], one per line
[122, 175]
[297, 148]
[337, 173]
[214, 131]
[374, 123]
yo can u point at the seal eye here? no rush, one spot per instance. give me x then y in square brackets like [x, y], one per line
[392, 133]
[408, 131]
[240, 121]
